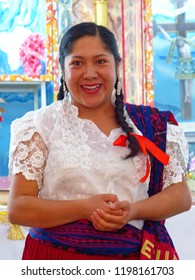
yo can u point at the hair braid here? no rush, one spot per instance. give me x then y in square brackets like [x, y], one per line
[119, 112]
[60, 95]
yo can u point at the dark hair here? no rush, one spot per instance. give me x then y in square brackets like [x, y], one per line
[92, 29]
[87, 29]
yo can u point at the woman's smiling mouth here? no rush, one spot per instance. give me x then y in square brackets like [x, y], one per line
[91, 89]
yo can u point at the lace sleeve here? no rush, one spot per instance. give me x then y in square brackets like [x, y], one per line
[177, 149]
[28, 152]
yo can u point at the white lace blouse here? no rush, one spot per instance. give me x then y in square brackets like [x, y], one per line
[71, 158]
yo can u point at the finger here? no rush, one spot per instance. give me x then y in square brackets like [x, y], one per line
[122, 204]
[115, 208]
[114, 205]
[110, 198]
[103, 217]
[102, 225]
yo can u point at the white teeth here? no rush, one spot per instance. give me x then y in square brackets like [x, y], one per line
[91, 87]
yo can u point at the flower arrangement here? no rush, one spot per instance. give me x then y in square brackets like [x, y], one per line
[32, 54]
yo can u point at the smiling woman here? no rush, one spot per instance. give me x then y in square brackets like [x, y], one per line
[84, 192]
[90, 72]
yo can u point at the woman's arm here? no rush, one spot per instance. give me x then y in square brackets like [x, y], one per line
[26, 208]
[173, 200]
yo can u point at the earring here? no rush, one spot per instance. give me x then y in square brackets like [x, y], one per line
[65, 92]
[119, 86]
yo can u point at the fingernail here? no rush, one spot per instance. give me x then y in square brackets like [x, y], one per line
[95, 214]
[112, 205]
[99, 210]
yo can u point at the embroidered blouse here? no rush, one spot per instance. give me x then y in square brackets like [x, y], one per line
[71, 158]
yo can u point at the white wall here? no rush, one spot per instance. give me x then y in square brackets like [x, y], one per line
[182, 231]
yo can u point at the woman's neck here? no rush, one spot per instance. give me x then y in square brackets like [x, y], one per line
[104, 118]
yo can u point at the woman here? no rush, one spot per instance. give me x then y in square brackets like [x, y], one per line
[81, 175]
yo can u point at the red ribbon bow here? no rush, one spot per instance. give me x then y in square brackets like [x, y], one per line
[145, 144]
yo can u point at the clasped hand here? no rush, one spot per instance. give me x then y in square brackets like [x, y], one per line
[108, 213]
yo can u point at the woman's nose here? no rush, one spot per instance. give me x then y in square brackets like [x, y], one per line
[90, 72]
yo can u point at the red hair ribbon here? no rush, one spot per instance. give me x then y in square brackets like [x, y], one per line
[145, 144]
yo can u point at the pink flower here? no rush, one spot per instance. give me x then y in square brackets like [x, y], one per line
[32, 53]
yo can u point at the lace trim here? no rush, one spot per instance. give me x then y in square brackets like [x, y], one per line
[177, 149]
[31, 159]
[74, 138]
[28, 151]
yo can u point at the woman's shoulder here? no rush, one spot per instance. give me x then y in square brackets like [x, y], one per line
[40, 121]
[146, 112]
[176, 134]
[48, 112]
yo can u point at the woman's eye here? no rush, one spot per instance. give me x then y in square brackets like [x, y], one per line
[76, 63]
[101, 61]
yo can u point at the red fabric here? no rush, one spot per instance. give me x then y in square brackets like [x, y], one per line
[172, 120]
[145, 144]
[153, 249]
[38, 250]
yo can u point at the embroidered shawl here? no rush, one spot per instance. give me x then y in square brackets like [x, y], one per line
[156, 243]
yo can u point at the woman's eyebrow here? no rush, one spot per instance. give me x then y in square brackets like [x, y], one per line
[96, 56]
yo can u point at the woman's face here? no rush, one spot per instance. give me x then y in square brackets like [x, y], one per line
[90, 73]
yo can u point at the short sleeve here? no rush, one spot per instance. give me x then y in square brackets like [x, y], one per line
[28, 151]
[177, 149]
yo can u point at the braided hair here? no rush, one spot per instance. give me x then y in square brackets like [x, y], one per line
[121, 119]
[60, 95]
[92, 29]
